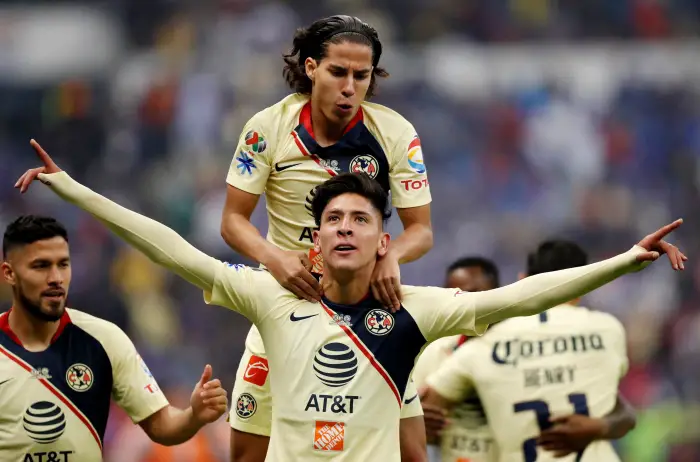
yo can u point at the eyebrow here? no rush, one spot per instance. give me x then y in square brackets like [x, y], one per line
[351, 212]
[337, 67]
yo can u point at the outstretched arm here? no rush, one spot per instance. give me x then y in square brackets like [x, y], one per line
[537, 293]
[158, 242]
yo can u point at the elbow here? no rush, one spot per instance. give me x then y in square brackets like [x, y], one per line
[428, 239]
[227, 230]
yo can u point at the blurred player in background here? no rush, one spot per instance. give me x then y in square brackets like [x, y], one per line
[347, 358]
[549, 380]
[326, 127]
[59, 367]
[466, 435]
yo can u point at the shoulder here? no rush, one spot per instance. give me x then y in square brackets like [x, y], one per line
[112, 338]
[285, 112]
[603, 320]
[385, 120]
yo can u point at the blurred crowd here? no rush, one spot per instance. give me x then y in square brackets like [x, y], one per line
[580, 120]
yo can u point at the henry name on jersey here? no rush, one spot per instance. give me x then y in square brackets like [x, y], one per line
[518, 352]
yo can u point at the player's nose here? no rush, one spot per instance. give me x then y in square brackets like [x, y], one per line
[348, 89]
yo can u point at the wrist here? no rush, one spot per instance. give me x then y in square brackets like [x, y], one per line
[268, 253]
[192, 421]
[603, 429]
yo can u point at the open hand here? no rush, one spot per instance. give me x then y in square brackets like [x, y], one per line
[570, 434]
[656, 246]
[49, 166]
[208, 400]
[386, 282]
[292, 269]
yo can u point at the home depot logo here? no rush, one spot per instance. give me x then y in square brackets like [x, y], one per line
[329, 436]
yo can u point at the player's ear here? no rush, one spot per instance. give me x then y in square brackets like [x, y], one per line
[310, 66]
[8, 274]
[317, 241]
[383, 247]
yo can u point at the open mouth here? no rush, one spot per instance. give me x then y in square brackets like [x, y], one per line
[345, 107]
[344, 248]
[53, 294]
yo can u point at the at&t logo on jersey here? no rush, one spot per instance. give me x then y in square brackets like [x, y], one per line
[379, 322]
[44, 422]
[335, 364]
[256, 371]
[365, 164]
[79, 377]
[246, 406]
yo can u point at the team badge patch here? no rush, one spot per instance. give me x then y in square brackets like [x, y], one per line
[246, 164]
[256, 371]
[415, 156]
[79, 377]
[379, 322]
[366, 164]
[255, 142]
[246, 406]
[329, 436]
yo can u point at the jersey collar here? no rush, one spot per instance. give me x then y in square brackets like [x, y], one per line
[305, 120]
[5, 326]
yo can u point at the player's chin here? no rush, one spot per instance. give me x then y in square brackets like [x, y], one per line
[52, 311]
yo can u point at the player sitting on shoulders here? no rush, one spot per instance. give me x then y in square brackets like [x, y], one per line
[324, 128]
[340, 374]
[549, 380]
[59, 367]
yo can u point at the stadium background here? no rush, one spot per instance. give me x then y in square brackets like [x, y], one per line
[580, 120]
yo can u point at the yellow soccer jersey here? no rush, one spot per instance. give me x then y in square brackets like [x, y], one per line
[54, 404]
[526, 370]
[338, 373]
[252, 381]
[277, 155]
[467, 435]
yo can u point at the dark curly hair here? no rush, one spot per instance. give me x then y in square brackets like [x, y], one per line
[313, 41]
[356, 183]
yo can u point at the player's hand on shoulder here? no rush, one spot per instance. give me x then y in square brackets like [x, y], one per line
[655, 246]
[571, 434]
[48, 166]
[208, 400]
[292, 269]
[386, 282]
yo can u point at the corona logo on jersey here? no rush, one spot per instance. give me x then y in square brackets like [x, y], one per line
[379, 322]
[415, 156]
[246, 406]
[365, 164]
[255, 142]
[79, 377]
[256, 371]
[335, 364]
[44, 422]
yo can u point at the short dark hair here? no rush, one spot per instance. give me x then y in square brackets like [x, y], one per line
[488, 267]
[356, 183]
[27, 229]
[313, 41]
[555, 255]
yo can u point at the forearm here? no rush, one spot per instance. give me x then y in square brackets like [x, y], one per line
[158, 242]
[538, 293]
[243, 237]
[173, 426]
[415, 241]
[620, 421]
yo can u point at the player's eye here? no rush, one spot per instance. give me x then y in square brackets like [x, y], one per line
[361, 76]
[337, 72]
[333, 218]
[64, 264]
[362, 219]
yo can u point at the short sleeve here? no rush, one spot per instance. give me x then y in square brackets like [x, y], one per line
[135, 389]
[251, 399]
[442, 312]
[251, 163]
[249, 291]
[430, 359]
[408, 177]
[411, 403]
[453, 380]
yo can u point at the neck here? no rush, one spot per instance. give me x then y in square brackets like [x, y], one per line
[346, 288]
[34, 333]
[326, 132]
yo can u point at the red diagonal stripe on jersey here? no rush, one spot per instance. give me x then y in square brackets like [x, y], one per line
[414, 143]
[56, 392]
[368, 354]
[306, 152]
